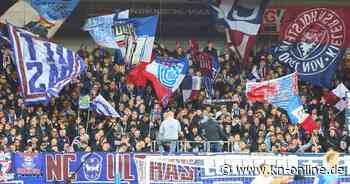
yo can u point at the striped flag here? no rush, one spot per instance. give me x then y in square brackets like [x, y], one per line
[101, 106]
[44, 68]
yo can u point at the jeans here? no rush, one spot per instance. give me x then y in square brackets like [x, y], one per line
[173, 145]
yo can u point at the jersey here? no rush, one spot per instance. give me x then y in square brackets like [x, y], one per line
[262, 180]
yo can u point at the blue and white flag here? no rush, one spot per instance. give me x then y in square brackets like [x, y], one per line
[277, 91]
[134, 37]
[101, 106]
[215, 68]
[296, 110]
[53, 10]
[101, 30]
[165, 74]
[243, 19]
[44, 68]
[299, 117]
[240, 15]
[139, 35]
[43, 17]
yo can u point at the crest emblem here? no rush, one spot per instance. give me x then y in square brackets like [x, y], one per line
[28, 162]
[169, 75]
[92, 167]
[311, 42]
[5, 166]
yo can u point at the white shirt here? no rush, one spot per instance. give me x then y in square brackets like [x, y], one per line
[169, 129]
[262, 180]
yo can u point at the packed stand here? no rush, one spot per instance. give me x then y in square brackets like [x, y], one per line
[248, 127]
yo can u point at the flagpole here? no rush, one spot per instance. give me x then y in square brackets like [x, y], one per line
[78, 121]
[87, 120]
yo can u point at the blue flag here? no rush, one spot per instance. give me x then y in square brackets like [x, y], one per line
[296, 111]
[53, 10]
[208, 85]
[101, 106]
[134, 37]
[313, 48]
[101, 30]
[215, 67]
[42, 17]
[44, 68]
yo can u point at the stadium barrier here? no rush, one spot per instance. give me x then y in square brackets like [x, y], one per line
[101, 167]
[196, 146]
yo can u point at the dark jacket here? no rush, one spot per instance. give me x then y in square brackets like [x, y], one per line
[211, 131]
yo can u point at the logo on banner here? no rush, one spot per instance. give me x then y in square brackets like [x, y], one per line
[313, 41]
[5, 167]
[124, 34]
[169, 75]
[92, 167]
[28, 162]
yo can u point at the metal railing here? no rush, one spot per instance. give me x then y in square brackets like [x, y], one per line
[196, 146]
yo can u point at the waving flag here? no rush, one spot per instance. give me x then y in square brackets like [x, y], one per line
[298, 115]
[209, 66]
[204, 61]
[134, 36]
[101, 30]
[208, 85]
[44, 68]
[43, 17]
[165, 74]
[101, 106]
[277, 91]
[191, 85]
[243, 19]
[313, 42]
[337, 97]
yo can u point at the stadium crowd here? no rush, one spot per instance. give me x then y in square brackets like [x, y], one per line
[248, 127]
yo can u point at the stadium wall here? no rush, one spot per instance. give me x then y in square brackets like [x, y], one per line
[100, 167]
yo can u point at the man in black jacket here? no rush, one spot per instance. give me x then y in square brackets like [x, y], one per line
[211, 131]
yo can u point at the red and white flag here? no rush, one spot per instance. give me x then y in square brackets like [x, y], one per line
[336, 97]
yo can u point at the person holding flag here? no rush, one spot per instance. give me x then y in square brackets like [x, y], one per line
[101, 106]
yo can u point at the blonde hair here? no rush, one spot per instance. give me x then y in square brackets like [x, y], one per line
[332, 157]
[170, 114]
